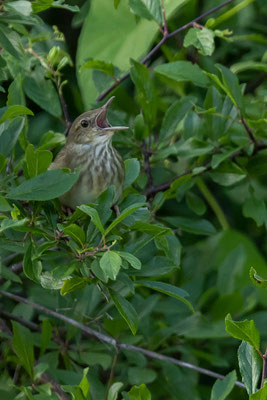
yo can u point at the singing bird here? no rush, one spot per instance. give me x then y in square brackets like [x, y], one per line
[89, 147]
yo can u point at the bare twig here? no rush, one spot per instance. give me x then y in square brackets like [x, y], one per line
[153, 190]
[111, 375]
[55, 387]
[107, 339]
[264, 369]
[147, 154]
[163, 40]
[249, 131]
[28, 324]
[165, 26]
[64, 108]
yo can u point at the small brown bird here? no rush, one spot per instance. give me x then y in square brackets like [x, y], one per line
[89, 148]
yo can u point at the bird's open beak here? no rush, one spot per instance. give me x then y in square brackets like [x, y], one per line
[102, 121]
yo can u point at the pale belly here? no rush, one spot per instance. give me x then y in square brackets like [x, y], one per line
[92, 183]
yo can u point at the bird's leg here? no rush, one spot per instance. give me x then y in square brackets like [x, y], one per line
[67, 211]
[116, 209]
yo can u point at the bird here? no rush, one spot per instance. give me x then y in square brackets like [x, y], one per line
[89, 148]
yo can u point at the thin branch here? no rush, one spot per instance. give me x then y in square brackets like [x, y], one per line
[147, 154]
[249, 131]
[113, 342]
[64, 109]
[264, 369]
[111, 375]
[55, 387]
[28, 324]
[215, 206]
[44, 378]
[165, 26]
[153, 190]
[162, 41]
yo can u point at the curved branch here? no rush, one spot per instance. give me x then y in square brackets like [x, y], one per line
[165, 37]
[113, 342]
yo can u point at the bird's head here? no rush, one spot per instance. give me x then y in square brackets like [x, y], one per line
[93, 126]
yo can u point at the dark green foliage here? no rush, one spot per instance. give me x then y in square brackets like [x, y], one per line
[182, 267]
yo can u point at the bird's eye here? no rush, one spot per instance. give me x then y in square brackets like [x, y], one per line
[84, 123]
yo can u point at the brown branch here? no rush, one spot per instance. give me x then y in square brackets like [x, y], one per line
[114, 362]
[64, 109]
[163, 40]
[165, 26]
[249, 131]
[107, 339]
[147, 167]
[153, 190]
[264, 368]
[44, 378]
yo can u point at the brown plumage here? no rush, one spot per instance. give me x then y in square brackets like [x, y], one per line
[89, 148]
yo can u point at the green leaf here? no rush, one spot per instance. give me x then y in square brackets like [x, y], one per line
[222, 388]
[169, 290]
[133, 41]
[131, 259]
[4, 205]
[243, 330]
[14, 111]
[37, 161]
[183, 71]
[217, 159]
[46, 186]
[145, 90]
[9, 134]
[110, 264]
[195, 203]
[31, 268]
[92, 212]
[175, 113]
[72, 284]
[46, 336]
[6, 43]
[132, 170]
[114, 390]
[151, 229]
[202, 39]
[116, 3]
[128, 211]
[256, 279]
[22, 343]
[231, 85]
[60, 4]
[247, 65]
[22, 7]
[193, 147]
[137, 375]
[255, 208]
[250, 366]
[84, 385]
[196, 226]
[12, 223]
[260, 394]
[139, 393]
[227, 174]
[126, 310]
[102, 66]
[149, 9]
[76, 233]
[42, 92]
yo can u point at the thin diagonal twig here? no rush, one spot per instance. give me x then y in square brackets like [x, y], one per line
[162, 41]
[107, 339]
